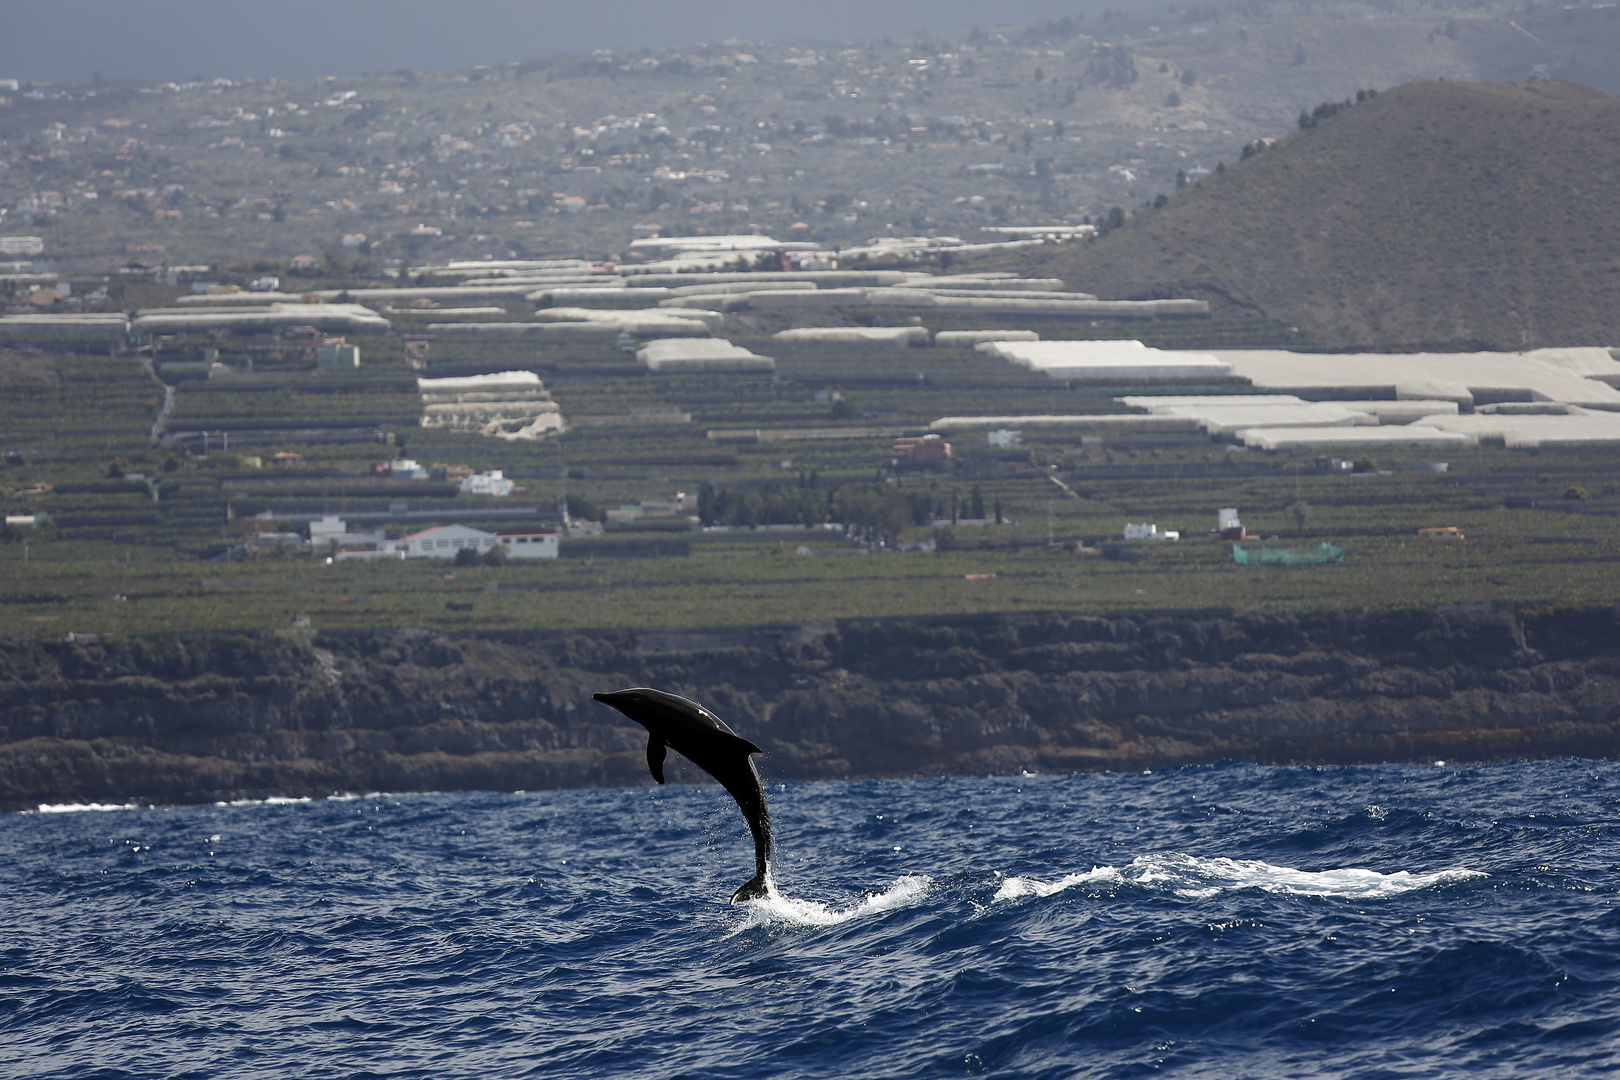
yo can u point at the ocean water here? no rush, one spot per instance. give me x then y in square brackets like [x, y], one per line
[1221, 921]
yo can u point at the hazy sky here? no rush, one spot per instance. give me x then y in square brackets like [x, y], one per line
[69, 40]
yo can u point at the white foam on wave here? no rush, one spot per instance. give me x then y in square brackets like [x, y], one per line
[274, 800]
[1195, 878]
[777, 908]
[80, 808]
[1014, 887]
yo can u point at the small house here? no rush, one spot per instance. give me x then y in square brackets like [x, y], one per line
[451, 474]
[486, 483]
[337, 353]
[921, 450]
[323, 529]
[305, 264]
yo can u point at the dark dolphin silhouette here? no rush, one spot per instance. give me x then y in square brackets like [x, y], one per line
[703, 739]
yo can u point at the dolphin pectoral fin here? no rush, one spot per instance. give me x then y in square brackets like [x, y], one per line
[656, 749]
[755, 889]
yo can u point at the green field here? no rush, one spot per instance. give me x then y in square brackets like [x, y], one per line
[1540, 527]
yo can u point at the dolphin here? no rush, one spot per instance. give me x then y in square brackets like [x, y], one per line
[703, 739]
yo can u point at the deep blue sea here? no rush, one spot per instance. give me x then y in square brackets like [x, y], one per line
[1223, 921]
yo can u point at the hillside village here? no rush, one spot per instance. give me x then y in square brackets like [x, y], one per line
[939, 136]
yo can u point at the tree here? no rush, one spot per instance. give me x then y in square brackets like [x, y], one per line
[582, 508]
[1302, 512]
[978, 503]
[1173, 100]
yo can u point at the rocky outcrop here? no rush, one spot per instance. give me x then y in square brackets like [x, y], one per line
[200, 718]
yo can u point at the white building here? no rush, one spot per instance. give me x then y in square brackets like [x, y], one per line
[529, 543]
[324, 529]
[1007, 439]
[1148, 532]
[486, 483]
[445, 541]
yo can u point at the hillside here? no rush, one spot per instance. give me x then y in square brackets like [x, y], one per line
[1440, 214]
[567, 155]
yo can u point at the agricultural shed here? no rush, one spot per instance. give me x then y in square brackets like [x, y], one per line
[687, 355]
[330, 317]
[598, 295]
[494, 380]
[1569, 375]
[1578, 427]
[25, 328]
[855, 335]
[967, 339]
[442, 293]
[1283, 438]
[1104, 421]
[819, 278]
[1106, 360]
[628, 318]
[238, 299]
[574, 331]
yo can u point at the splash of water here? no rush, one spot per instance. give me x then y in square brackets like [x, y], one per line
[1195, 878]
[776, 907]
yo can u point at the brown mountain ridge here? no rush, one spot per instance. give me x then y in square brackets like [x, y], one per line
[1437, 215]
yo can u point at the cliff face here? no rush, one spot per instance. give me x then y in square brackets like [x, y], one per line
[207, 718]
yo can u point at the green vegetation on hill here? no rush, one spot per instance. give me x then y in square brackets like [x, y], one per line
[1437, 215]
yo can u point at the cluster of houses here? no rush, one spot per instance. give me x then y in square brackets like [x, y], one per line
[490, 482]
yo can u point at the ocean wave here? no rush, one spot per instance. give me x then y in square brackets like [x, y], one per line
[80, 808]
[1195, 878]
[778, 908]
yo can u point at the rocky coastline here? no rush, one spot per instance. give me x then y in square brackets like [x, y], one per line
[201, 718]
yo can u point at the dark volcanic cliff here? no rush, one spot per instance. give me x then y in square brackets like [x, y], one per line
[204, 718]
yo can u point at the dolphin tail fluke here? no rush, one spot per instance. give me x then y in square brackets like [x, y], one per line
[757, 888]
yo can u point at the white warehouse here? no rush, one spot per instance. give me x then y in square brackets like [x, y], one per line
[446, 541]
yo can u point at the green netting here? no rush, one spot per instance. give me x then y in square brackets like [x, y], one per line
[1322, 553]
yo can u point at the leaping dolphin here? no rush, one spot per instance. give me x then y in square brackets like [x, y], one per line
[703, 739]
